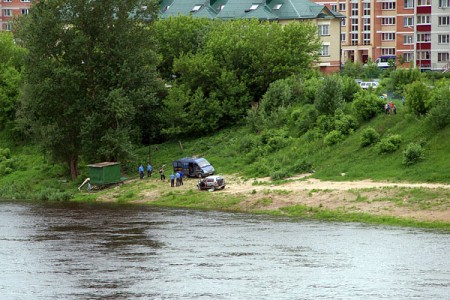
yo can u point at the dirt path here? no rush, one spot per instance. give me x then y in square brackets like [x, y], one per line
[366, 196]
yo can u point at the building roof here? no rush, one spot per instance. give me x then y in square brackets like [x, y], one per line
[247, 9]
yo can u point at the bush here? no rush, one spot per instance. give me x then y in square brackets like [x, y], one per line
[417, 96]
[439, 115]
[369, 137]
[279, 175]
[389, 144]
[302, 166]
[333, 137]
[367, 105]
[413, 154]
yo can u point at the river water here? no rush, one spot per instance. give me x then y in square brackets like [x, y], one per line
[81, 251]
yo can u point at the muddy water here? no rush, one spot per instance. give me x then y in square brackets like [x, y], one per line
[74, 251]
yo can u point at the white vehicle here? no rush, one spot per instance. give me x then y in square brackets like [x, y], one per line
[211, 183]
[368, 84]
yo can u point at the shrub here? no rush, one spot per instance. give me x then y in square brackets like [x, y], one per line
[389, 144]
[345, 124]
[302, 166]
[369, 137]
[367, 105]
[417, 96]
[413, 154]
[304, 118]
[278, 175]
[439, 115]
[333, 137]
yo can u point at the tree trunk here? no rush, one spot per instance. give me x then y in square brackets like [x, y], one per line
[73, 164]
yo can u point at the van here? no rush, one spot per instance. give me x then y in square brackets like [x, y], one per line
[193, 167]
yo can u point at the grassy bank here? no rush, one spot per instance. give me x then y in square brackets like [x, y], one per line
[34, 177]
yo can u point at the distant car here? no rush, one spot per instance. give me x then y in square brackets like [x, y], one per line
[211, 183]
[368, 84]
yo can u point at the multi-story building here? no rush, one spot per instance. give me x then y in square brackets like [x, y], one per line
[416, 32]
[281, 11]
[9, 9]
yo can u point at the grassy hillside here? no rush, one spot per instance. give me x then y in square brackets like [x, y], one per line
[223, 151]
[33, 177]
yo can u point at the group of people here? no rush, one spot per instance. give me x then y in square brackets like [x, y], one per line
[150, 171]
[176, 179]
[390, 107]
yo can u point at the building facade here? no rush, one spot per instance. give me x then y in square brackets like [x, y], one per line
[10, 9]
[416, 32]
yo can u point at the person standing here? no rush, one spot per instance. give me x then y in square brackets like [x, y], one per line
[394, 108]
[177, 176]
[172, 179]
[161, 173]
[141, 171]
[149, 170]
[181, 177]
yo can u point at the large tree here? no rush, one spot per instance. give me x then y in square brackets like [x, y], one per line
[11, 59]
[89, 77]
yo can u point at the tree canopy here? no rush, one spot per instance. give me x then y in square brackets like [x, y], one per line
[90, 78]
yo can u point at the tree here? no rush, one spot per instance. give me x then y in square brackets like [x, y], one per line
[89, 73]
[329, 95]
[417, 96]
[11, 60]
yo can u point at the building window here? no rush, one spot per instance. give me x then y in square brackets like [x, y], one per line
[444, 21]
[24, 11]
[408, 3]
[407, 39]
[366, 38]
[343, 37]
[7, 13]
[354, 26]
[7, 0]
[7, 26]
[388, 21]
[355, 9]
[25, 1]
[444, 3]
[421, 55]
[387, 51]
[323, 30]
[443, 57]
[366, 24]
[324, 50]
[423, 2]
[278, 6]
[423, 19]
[196, 7]
[408, 21]
[443, 38]
[344, 22]
[424, 37]
[388, 36]
[366, 9]
[388, 5]
[408, 56]
[354, 37]
[254, 6]
[333, 7]
[342, 7]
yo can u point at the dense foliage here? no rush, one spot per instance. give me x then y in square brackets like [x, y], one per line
[89, 79]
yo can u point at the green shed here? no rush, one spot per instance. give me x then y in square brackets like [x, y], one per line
[104, 173]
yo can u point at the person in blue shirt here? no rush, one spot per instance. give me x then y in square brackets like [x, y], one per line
[177, 176]
[149, 170]
[172, 179]
[141, 171]
[181, 177]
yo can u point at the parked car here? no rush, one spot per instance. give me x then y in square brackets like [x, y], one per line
[211, 183]
[368, 84]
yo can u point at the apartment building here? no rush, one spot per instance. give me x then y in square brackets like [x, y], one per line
[281, 11]
[416, 32]
[9, 9]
